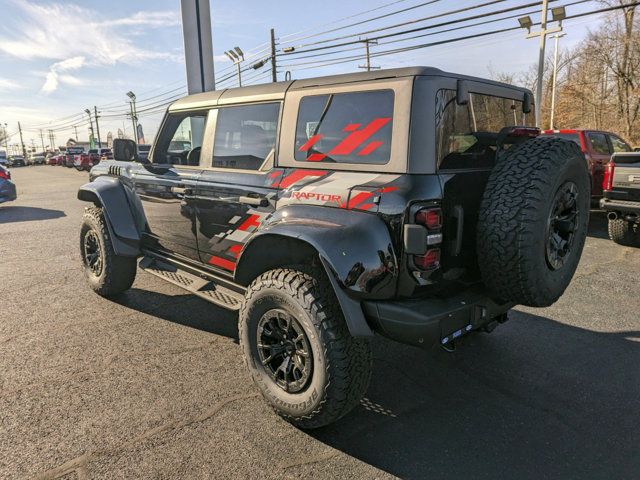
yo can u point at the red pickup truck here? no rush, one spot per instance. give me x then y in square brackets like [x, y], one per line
[597, 147]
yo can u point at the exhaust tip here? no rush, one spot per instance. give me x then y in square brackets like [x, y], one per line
[612, 216]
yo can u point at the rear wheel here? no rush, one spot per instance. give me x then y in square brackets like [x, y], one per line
[298, 348]
[624, 233]
[107, 273]
[533, 221]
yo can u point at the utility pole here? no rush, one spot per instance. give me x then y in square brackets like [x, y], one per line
[75, 127]
[92, 137]
[95, 111]
[274, 73]
[6, 139]
[558, 14]
[42, 140]
[134, 114]
[368, 66]
[555, 76]
[24, 150]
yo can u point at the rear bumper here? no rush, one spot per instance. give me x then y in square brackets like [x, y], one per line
[425, 322]
[610, 205]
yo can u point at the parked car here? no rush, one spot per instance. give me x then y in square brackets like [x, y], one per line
[85, 161]
[622, 198]
[3, 158]
[16, 161]
[143, 152]
[106, 154]
[55, 159]
[38, 160]
[328, 209]
[597, 146]
[7, 187]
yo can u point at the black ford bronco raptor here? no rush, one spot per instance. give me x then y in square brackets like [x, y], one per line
[411, 203]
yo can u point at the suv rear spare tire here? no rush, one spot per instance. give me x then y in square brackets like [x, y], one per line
[533, 221]
[624, 233]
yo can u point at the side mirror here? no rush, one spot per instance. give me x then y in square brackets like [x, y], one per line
[124, 150]
[462, 92]
[527, 102]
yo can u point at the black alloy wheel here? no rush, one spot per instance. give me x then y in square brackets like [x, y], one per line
[284, 350]
[562, 224]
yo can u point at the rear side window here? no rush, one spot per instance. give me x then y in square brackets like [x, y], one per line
[574, 137]
[619, 145]
[245, 136]
[345, 128]
[466, 134]
[599, 143]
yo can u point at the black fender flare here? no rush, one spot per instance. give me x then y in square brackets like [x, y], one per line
[355, 249]
[123, 224]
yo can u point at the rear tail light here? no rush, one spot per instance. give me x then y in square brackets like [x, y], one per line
[5, 175]
[428, 261]
[607, 183]
[430, 218]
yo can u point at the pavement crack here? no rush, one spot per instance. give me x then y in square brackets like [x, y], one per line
[309, 460]
[79, 464]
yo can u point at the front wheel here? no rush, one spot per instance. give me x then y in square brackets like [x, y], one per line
[106, 272]
[298, 349]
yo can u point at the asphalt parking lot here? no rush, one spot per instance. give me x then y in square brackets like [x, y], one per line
[153, 384]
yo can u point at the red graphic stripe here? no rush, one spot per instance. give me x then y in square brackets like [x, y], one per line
[235, 250]
[359, 198]
[369, 148]
[223, 263]
[310, 143]
[252, 221]
[358, 137]
[316, 157]
[351, 127]
[298, 175]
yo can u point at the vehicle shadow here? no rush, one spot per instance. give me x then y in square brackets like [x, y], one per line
[14, 214]
[536, 399]
[202, 314]
[598, 224]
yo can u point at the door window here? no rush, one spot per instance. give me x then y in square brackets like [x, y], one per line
[345, 128]
[246, 136]
[619, 145]
[180, 141]
[599, 143]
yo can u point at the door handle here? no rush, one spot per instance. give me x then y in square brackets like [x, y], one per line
[182, 190]
[254, 201]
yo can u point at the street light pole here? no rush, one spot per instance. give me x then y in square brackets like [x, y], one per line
[555, 76]
[367, 65]
[237, 57]
[558, 14]
[95, 114]
[88, 112]
[134, 115]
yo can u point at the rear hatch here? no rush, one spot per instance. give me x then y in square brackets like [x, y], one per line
[626, 177]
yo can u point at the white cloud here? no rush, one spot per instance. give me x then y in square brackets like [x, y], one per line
[53, 76]
[149, 19]
[6, 84]
[67, 32]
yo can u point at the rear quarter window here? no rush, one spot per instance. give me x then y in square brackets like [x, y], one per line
[466, 134]
[345, 128]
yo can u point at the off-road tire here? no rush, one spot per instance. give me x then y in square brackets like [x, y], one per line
[118, 272]
[341, 363]
[624, 233]
[514, 220]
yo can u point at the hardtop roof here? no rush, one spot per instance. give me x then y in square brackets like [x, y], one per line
[277, 90]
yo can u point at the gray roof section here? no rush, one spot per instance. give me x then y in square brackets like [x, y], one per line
[276, 91]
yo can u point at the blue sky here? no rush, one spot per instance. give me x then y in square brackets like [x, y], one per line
[59, 57]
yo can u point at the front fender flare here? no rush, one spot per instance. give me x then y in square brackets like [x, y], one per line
[123, 225]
